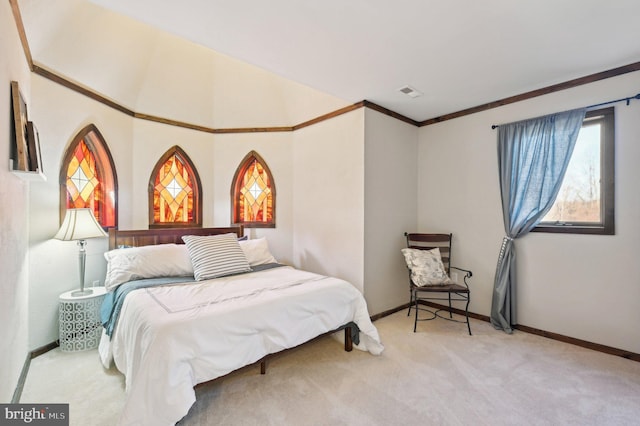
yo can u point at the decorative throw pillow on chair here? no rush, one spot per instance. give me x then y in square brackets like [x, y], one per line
[426, 267]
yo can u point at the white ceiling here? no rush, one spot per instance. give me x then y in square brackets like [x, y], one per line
[459, 53]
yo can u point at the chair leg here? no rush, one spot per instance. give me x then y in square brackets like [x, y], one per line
[415, 321]
[450, 308]
[466, 312]
[410, 302]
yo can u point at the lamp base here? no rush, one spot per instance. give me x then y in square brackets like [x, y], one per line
[84, 292]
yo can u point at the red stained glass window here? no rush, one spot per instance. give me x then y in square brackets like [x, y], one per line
[88, 178]
[174, 191]
[253, 193]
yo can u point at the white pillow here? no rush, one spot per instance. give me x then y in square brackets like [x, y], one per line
[135, 263]
[257, 251]
[426, 267]
[215, 256]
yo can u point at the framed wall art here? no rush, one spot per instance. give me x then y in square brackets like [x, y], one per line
[20, 128]
[33, 145]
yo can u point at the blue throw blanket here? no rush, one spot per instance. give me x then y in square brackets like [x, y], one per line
[110, 309]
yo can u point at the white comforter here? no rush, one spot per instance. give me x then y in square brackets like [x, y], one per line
[170, 338]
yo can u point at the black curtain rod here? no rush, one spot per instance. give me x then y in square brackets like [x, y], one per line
[627, 100]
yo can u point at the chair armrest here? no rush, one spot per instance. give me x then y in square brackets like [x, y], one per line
[468, 274]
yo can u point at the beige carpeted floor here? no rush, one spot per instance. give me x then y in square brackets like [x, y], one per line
[437, 376]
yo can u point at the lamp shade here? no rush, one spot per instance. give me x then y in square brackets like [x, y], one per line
[79, 224]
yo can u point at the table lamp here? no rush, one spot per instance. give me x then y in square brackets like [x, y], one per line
[79, 225]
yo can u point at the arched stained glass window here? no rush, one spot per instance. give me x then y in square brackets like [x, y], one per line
[174, 192]
[88, 177]
[253, 194]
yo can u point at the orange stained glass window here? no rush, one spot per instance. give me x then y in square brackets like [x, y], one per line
[253, 193]
[175, 191]
[88, 177]
[83, 184]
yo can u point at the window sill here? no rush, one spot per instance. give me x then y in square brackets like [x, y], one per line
[575, 229]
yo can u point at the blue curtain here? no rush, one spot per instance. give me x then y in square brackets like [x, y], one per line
[532, 158]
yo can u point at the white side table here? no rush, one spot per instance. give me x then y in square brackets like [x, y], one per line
[80, 325]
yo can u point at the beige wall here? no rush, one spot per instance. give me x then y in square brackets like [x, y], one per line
[583, 286]
[328, 209]
[391, 179]
[14, 212]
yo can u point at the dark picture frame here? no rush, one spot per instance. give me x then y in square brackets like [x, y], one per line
[33, 143]
[20, 120]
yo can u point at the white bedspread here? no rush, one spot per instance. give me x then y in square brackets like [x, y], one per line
[170, 338]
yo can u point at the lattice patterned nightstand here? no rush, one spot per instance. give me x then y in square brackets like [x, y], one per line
[80, 326]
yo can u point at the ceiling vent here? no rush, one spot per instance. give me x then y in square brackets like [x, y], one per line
[410, 91]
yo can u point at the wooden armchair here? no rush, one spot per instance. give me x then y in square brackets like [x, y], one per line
[435, 289]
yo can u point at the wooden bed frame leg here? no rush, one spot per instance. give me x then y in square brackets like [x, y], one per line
[348, 347]
[348, 343]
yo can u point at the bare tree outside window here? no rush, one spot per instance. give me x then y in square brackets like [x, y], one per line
[585, 202]
[579, 196]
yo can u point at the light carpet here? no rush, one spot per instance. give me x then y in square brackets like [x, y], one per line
[437, 376]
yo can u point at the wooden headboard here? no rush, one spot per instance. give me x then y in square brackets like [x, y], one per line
[148, 237]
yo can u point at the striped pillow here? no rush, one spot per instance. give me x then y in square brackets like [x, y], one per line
[215, 256]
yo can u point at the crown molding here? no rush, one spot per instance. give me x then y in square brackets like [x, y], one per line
[57, 78]
[535, 93]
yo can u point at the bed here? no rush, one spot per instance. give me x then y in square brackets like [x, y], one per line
[167, 331]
